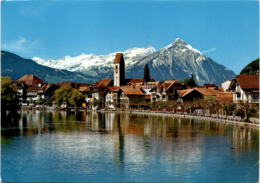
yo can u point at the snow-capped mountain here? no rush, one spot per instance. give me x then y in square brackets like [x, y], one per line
[178, 61]
[95, 65]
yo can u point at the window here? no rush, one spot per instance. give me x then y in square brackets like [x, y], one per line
[255, 96]
[239, 96]
[116, 69]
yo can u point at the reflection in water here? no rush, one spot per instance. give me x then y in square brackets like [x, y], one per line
[119, 145]
[165, 128]
[125, 147]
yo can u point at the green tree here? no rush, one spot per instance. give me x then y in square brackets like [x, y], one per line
[76, 98]
[147, 76]
[190, 81]
[68, 96]
[210, 102]
[251, 68]
[9, 97]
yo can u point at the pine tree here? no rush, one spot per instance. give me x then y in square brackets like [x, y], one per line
[190, 81]
[146, 73]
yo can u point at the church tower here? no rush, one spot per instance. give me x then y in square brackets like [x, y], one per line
[119, 70]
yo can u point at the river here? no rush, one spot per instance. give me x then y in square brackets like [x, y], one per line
[121, 147]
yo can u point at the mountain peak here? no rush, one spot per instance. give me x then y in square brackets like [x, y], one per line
[179, 41]
[176, 43]
[181, 45]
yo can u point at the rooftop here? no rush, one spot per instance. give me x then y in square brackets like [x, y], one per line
[131, 90]
[30, 79]
[248, 81]
[119, 58]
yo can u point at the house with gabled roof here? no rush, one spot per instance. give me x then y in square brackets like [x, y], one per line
[29, 88]
[200, 93]
[245, 88]
[166, 91]
[31, 80]
[131, 97]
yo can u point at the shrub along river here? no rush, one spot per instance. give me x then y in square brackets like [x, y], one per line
[121, 147]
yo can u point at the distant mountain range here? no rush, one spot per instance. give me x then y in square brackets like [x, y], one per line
[176, 61]
[15, 67]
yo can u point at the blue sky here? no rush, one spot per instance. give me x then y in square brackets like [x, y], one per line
[226, 31]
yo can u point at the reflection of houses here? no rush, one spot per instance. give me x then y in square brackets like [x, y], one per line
[245, 88]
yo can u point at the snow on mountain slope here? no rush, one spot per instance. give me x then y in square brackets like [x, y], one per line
[87, 62]
[178, 60]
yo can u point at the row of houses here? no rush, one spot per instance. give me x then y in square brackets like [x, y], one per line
[136, 92]
[131, 93]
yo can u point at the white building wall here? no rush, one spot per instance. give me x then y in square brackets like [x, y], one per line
[117, 74]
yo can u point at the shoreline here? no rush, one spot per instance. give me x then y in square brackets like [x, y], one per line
[176, 115]
[205, 118]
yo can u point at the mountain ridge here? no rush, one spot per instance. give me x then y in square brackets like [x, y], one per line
[178, 60]
[15, 67]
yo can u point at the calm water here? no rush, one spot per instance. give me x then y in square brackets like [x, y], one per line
[94, 147]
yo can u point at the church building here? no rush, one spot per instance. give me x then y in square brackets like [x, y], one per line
[119, 70]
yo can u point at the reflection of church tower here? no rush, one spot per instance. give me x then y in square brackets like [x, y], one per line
[119, 69]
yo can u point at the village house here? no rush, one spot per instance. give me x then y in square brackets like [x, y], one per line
[245, 88]
[31, 89]
[203, 93]
[98, 92]
[113, 97]
[165, 91]
[132, 97]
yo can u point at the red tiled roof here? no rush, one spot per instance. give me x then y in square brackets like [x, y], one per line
[203, 91]
[207, 91]
[113, 88]
[184, 92]
[34, 88]
[104, 82]
[153, 83]
[225, 96]
[171, 81]
[136, 80]
[119, 58]
[30, 79]
[47, 86]
[248, 81]
[131, 90]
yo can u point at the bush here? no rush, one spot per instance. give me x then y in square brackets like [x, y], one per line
[241, 113]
